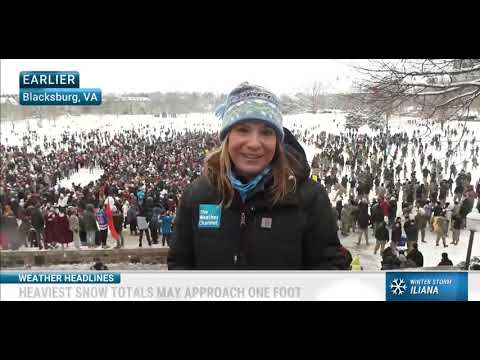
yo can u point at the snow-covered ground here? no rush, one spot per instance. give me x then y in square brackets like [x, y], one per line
[125, 266]
[83, 177]
[329, 122]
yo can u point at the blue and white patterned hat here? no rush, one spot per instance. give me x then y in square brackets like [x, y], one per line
[250, 102]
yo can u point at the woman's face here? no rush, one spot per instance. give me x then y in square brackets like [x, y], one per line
[251, 147]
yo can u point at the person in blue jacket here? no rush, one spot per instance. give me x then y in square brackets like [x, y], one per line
[167, 230]
[140, 196]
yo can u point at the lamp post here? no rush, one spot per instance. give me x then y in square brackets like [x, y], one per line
[473, 224]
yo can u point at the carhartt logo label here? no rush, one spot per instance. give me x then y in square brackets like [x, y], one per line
[266, 223]
[209, 216]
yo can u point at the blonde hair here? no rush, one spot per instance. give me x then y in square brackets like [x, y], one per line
[218, 165]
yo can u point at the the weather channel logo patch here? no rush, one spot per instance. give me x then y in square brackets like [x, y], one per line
[56, 88]
[209, 216]
[427, 286]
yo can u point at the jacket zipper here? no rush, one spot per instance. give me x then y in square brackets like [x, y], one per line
[243, 226]
[243, 217]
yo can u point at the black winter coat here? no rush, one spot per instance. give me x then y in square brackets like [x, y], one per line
[396, 232]
[466, 207]
[390, 262]
[416, 256]
[446, 262]
[132, 215]
[363, 217]
[437, 211]
[148, 208]
[37, 219]
[377, 215]
[299, 232]
[392, 211]
[457, 222]
[382, 234]
[90, 220]
[118, 221]
[411, 230]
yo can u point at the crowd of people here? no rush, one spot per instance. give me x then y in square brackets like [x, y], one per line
[375, 187]
[375, 191]
[144, 174]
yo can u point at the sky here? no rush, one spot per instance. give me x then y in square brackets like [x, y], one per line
[282, 76]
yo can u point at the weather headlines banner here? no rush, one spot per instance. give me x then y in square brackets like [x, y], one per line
[59, 278]
[56, 88]
[240, 286]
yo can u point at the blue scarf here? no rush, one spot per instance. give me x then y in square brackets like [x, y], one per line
[246, 189]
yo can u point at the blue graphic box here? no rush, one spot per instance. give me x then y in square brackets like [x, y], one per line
[426, 286]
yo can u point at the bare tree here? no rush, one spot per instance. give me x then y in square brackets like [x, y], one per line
[439, 89]
[315, 95]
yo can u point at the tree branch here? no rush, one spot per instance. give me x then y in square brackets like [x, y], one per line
[445, 86]
[422, 72]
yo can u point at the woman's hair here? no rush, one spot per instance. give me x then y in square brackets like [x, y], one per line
[218, 165]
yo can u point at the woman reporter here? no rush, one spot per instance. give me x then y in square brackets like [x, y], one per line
[255, 206]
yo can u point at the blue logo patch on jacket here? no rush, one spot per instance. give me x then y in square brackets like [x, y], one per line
[209, 216]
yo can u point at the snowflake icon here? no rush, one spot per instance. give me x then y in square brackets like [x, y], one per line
[398, 286]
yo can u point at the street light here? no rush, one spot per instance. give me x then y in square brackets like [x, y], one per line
[473, 224]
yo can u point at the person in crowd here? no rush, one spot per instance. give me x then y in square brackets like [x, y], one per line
[363, 221]
[91, 226]
[411, 230]
[415, 255]
[74, 226]
[9, 232]
[118, 220]
[440, 228]
[142, 221]
[445, 260]
[421, 223]
[382, 237]
[102, 223]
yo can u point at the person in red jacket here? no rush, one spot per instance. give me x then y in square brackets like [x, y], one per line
[384, 205]
[62, 229]
[51, 237]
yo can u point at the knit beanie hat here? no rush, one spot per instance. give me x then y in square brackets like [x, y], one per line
[250, 102]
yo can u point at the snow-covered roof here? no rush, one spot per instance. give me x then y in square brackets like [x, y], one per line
[135, 98]
[8, 99]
